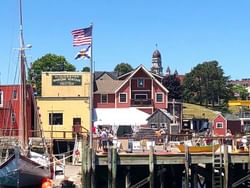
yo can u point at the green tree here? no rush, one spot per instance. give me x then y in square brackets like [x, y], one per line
[85, 69]
[206, 84]
[240, 92]
[173, 85]
[123, 68]
[48, 62]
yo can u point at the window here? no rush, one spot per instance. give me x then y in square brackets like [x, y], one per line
[140, 82]
[159, 97]
[219, 125]
[14, 94]
[141, 96]
[13, 117]
[1, 98]
[104, 98]
[123, 97]
[153, 125]
[56, 118]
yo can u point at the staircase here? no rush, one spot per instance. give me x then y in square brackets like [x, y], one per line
[217, 169]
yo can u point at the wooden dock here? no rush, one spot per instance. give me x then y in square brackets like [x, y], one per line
[216, 169]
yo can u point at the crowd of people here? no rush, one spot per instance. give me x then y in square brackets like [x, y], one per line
[106, 138]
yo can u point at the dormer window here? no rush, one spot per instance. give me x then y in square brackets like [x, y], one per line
[140, 82]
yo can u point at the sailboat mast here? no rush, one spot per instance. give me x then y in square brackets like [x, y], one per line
[23, 129]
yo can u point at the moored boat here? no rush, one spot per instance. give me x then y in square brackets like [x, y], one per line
[24, 168]
[198, 149]
[23, 171]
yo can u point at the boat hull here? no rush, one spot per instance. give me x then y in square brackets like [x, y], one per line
[20, 171]
[198, 149]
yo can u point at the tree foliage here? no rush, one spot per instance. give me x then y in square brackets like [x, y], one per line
[173, 84]
[206, 84]
[49, 62]
[123, 68]
[240, 92]
[85, 69]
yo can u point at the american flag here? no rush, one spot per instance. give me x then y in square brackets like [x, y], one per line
[82, 36]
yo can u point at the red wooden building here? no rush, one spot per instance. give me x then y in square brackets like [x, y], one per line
[10, 110]
[222, 123]
[139, 88]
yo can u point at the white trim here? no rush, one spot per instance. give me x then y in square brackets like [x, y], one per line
[1, 99]
[148, 73]
[120, 98]
[136, 90]
[138, 82]
[162, 97]
[216, 125]
[101, 99]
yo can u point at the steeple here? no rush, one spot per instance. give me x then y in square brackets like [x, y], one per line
[156, 62]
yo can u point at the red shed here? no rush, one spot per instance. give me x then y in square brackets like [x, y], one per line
[222, 123]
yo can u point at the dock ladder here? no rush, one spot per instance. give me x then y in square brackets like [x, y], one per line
[217, 168]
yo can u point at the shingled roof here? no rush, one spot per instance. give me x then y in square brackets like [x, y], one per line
[107, 86]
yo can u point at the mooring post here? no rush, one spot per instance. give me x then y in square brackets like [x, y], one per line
[109, 167]
[186, 167]
[151, 167]
[93, 169]
[162, 178]
[127, 178]
[114, 166]
[89, 166]
[194, 176]
[225, 166]
[84, 164]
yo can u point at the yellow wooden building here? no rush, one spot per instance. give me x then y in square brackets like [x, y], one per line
[64, 104]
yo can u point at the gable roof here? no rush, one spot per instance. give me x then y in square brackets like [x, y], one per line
[165, 112]
[147, 72]
[113, 75]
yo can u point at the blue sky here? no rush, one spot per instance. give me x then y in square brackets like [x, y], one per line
[187, 32]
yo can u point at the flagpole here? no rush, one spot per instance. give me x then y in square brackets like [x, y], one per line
[91, 94]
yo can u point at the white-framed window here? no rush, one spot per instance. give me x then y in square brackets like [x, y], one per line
[14, 94]
[140, 82]
[219, 125]
[55, 118]
[122, 97]
[104, 98]
[159, 97]
[1, 98]
[141, 96]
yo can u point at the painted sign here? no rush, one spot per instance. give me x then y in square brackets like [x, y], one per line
[66, 80]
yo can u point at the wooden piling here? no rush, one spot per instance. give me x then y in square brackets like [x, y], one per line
[93, 184]
[114, 167]
[151, 167]
[84, 165]
[127, 178]
[109, 167]
[194, 176]
[225, 166]
[186, 167]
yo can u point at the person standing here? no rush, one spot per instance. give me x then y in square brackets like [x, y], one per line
[104, 139]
